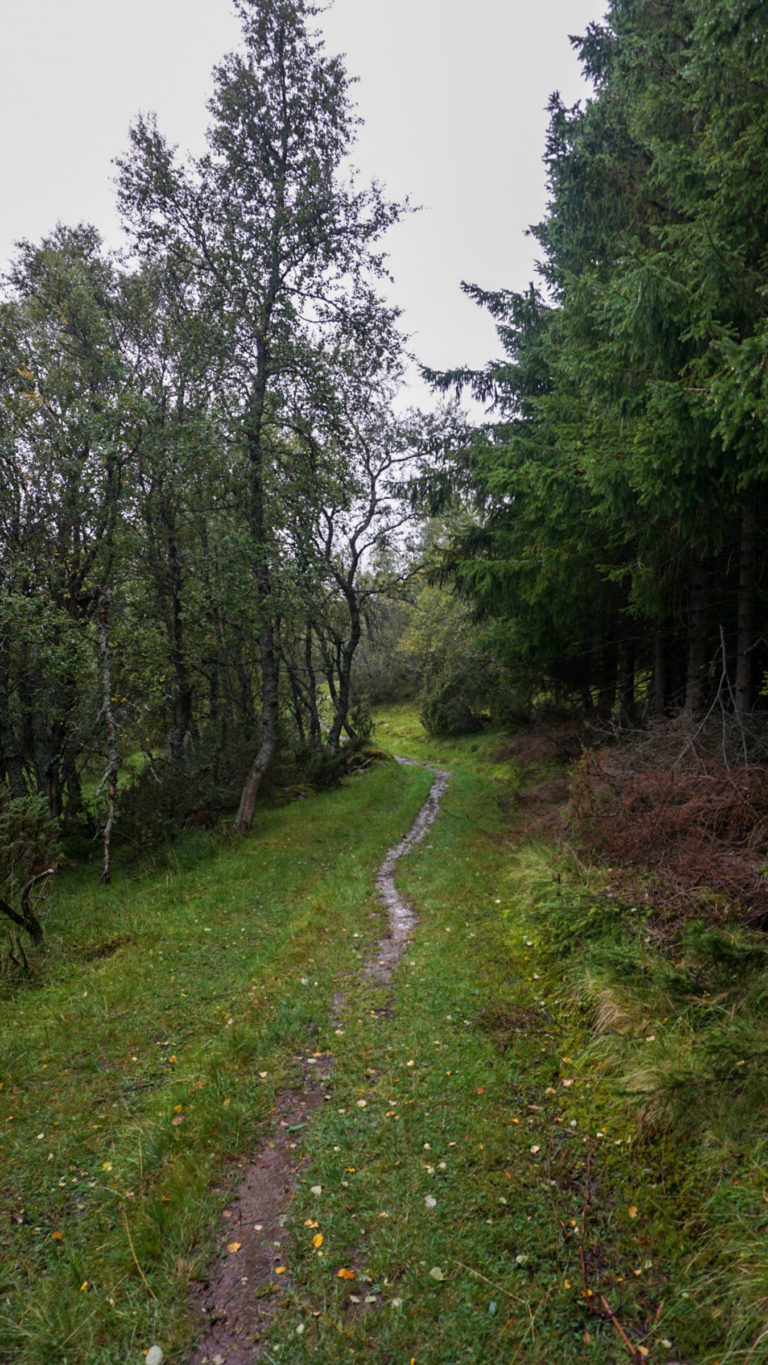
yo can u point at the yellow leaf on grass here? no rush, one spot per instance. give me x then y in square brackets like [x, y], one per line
[632, 1211]
[234, 1246]
[317, 1240]
[280, 1269]
[345, 1274]
[57, 1236]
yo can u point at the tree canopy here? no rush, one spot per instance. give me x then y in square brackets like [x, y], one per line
[206, 480]
[616, 541]
[201, 432]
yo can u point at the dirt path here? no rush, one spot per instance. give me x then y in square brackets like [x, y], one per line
[237, 1301]
[401, 917]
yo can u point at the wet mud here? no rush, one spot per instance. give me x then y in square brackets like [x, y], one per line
[400, 915]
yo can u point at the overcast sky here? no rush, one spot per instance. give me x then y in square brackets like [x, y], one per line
[453, 95]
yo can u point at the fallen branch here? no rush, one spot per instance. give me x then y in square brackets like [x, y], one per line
[635, 1352]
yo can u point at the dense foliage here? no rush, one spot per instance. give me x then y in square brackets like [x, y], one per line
[201, 479]
[203, 488]
[615, 546]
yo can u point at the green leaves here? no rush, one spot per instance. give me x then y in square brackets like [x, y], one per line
[631, 432]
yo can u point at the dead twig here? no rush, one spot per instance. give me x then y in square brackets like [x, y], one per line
[583, 1229]
[636, 1354]
[498, 1287]
[136, 1259]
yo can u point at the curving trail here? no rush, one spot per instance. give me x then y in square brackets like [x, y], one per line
[402, 919]
[230, 1304]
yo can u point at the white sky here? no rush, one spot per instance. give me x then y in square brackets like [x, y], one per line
[453, 95]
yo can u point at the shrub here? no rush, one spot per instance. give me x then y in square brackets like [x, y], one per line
[29, 845]
[29, 841]
[450, 705]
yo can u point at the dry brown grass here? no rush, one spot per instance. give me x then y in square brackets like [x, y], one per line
[703, 830]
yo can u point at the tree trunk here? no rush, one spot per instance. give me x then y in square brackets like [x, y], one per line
[270, 680]
[660, 674]
[11, 764]
[698, 657]
[745, 613]
[182, 701]
[26, 917]
[608, 666]
[112, 762]
[315, 728]
[254, 433]
[297, 700]
[270, 658]
[220, 681]
[627, 680]
[345, 673]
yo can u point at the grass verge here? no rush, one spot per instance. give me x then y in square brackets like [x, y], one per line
[140, 1064]
[546, 1145]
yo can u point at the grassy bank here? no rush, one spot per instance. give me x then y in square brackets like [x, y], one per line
[143, 1059]
[545, 1145]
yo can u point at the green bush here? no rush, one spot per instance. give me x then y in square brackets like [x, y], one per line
[450, 705]
[29, 841]
[29, 845]
[165, 797]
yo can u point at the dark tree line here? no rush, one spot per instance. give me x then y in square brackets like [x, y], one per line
[616, 546]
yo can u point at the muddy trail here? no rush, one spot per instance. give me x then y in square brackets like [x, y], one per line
[236, 1302]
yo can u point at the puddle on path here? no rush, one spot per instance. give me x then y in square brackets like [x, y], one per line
[236, 1301]
[402, 919]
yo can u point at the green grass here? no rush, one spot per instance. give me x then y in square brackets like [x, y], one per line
[166, 996]
[468, 1103]
[557, 1109]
